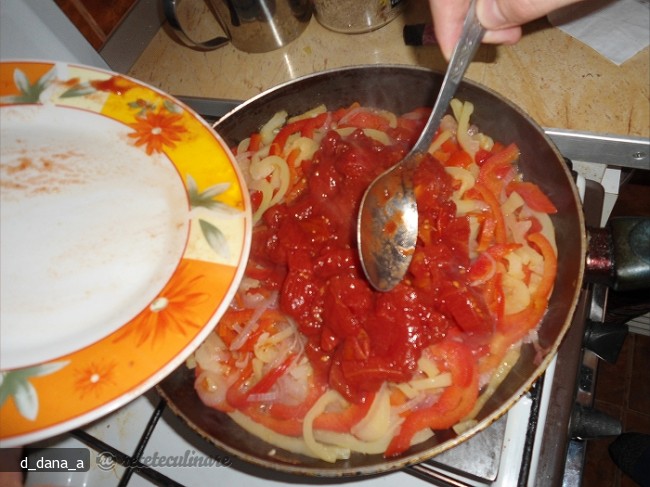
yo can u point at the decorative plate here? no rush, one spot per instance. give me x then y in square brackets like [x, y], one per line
[125, 230]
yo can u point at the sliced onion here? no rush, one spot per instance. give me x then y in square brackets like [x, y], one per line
[252, 324]
[266, 397]
[252, 300]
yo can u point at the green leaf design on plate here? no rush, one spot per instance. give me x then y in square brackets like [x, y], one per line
[172, 107]
[215, 238]
[143, 106]
[80, 89]
[205, 199]
[16, 384]
[29, 93]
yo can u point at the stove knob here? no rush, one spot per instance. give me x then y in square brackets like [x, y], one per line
[590, 424]
[605, 340]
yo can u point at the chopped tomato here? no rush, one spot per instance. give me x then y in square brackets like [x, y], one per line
[469, 310]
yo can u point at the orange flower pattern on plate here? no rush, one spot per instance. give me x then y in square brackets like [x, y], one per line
[157, 130]
[94, 377]
[171, 311]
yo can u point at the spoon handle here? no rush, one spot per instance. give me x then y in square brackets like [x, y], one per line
[464, 51]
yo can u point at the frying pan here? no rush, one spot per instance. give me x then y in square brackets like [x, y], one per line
[401, 89]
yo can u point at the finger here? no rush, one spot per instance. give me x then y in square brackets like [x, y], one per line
[509, 35]
[499, 14]
[448, 23]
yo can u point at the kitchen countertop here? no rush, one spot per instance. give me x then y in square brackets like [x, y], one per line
[559, 81]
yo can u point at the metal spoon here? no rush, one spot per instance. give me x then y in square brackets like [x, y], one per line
[387, 225]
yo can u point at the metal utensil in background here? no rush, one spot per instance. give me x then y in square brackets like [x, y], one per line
[250, 25]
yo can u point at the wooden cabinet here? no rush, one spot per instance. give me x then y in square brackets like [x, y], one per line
[119, 30]
[96, 19]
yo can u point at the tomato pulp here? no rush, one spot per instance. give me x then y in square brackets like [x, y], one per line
[358, 338]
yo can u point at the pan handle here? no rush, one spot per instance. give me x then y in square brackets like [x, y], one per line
[619, 254]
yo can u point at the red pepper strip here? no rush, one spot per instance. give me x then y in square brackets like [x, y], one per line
[495, 208]
[459, 158]
[496, 166]
[468, 309]
[532, 195]
[256, 199]
[255, 142]
[266, 382]
[305, 126]
[283, 411]
[441, 156]
[287, 420]
[499, 345]
[481, 156]
[367, 120]
[516, 325]
[482, 267]
[499, 251]
[298, 183]
[258, 272]
[545, 287]
[482, 264]
[342, 112]
[280, 139]
[291, 164]
[486, 236]
[291, 426]
[449, 146]
[456, 401]
[313, 123]
[343, 421]
[421, 112]
[236, 394]
[494, 298]
[230, 318]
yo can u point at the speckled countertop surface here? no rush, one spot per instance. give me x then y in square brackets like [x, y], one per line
[559, 81]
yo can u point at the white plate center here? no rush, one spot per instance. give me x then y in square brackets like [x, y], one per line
[91, 230]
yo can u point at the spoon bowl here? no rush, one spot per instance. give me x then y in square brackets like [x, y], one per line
[387, 224]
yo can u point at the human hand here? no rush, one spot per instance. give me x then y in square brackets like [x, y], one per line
[502, 19]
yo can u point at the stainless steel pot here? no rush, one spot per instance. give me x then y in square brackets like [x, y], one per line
[250, 25]
[400, 89]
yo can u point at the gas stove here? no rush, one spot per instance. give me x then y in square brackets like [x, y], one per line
[540, 441]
